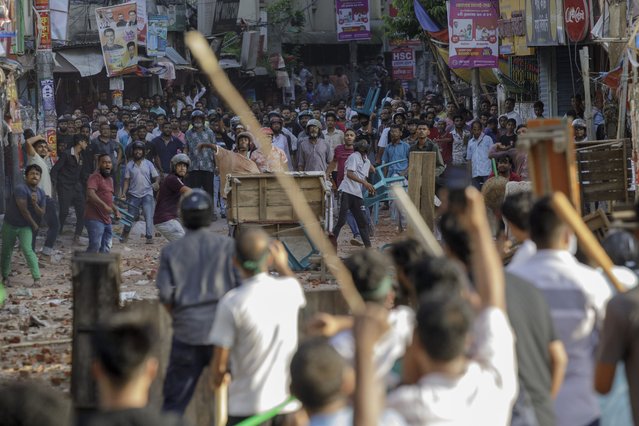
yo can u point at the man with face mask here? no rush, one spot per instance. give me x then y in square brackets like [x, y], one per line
[314, 154]
[139, 179]
[357, 168]
[99, 207]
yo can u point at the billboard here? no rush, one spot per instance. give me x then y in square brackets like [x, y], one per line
[156, 35]
[544, 23]
[353, 20]
[403, 62]
[118, 29]
[472, 32]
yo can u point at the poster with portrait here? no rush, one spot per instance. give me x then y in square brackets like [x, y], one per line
[472, 32]
[176, 13]
[353, 20]
[156, 35]
[118, 29]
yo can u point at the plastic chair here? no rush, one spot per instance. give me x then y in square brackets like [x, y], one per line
[382, 190]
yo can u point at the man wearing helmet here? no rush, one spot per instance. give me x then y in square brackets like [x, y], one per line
[194, 273]
[198, 147]
[579, 127]
[139, 178]
[314, 154]
[165, 218]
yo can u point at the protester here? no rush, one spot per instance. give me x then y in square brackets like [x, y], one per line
[38, 153]
[99, 207]
[124, 368]
[314, 153]
[577, 296]
[195, 272]
[25, 209]
[478, 148]
[276, 161]
[139, 180]
[257, 338]
[165, 217]
[33, 404]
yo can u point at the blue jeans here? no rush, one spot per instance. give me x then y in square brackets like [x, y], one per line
[148, 205]
[100, 236]
[185, 367]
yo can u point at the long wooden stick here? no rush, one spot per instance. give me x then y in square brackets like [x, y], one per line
[209, 64]
[417, 222]
[221, 405]
[589, 243]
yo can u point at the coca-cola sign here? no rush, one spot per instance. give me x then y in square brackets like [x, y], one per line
[577, 19]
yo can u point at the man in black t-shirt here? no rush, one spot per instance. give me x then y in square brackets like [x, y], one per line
[172, 187]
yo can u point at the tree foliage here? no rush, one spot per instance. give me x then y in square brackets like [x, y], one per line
[405, 24]
[284, 16]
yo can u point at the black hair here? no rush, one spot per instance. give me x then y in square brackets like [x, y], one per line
[252, 249]
[538, 104]
[512, 121]
[395, 126]
[370, 271]
[444, 319]
[516, 209]
[317, 373]
[101, 155]
[455, 237]
[129, 44]
[544, 223]
[505, 157]
[79, 138]
[28, 133]
[420, 123]
[122, 345]
[433, 273]
[510, 100]
[32, 167]
[32, 404]
[492, 120]
[456, 116]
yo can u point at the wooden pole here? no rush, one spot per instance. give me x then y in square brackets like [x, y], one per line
[442, 74]
[587, 240]
[585, 75]
[621, 123]
[421, 184]
[96, 282]
[476, 86]
[209, 64]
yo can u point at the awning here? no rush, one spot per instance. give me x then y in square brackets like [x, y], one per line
[229, 64]
[87, 60]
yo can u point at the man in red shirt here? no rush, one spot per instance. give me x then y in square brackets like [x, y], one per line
[505, 169]
[99, 207]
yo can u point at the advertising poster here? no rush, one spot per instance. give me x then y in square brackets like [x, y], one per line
[403, 62]
[156, 35]
[472, 29]
[141, 9]
[544, 23]
[44, 29]
[176, 14]
[118, 27]
[353, 20]
[48, 103]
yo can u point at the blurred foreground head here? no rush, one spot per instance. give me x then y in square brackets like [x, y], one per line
[32, 404]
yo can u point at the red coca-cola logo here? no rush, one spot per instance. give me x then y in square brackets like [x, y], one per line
[576, 19]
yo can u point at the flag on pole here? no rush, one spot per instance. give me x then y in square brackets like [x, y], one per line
[425, 21]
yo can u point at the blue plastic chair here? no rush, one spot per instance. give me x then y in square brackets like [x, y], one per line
[382, 190]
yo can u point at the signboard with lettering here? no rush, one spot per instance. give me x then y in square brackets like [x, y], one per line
[472, 31]
[353, 20]
[44, 29]
[577, 19]
[544, 23]
[403, 62]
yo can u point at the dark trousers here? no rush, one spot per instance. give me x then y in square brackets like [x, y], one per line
[53, 225]
[278, 420]
[478, 181]
[356, 206]
[185, 367]
[72, 196]
[201, 179]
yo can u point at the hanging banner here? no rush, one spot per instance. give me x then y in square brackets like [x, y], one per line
[353, 20]
[472, 29]
[225, 16]
[156, 35]
[14, 104]
[544, 23]
[403, 62]
[41, 4]
[118, 27]
[141, 21]
[48, 103]
[44, 31]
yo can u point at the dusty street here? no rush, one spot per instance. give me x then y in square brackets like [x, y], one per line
[36, 323]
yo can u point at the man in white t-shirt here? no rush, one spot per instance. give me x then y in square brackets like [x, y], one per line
[38, 153]
[356, 170]
[448, 386]
[255, 329]
[577, 296]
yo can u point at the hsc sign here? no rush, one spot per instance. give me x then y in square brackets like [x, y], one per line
[403, 62]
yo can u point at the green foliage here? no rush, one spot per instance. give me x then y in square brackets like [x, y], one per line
[405, 24]
[282, 15]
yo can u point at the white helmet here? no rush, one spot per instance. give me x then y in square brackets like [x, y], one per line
[180, 158]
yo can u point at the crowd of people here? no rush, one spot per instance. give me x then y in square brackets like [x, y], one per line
[451, 340]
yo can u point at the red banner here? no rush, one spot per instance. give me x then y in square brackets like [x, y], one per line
[403, 61]
[41, 4]
[45, 31]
